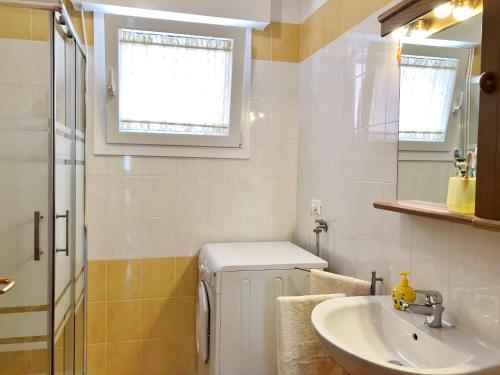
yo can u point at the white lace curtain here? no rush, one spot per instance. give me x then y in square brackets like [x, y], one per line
[426, 92]
[176, 84]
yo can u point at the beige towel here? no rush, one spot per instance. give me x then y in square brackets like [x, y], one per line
[322, 282]
[300, 351]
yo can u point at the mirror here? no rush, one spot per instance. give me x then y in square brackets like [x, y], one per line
[439, 105]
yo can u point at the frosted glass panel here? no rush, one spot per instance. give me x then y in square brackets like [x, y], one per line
[24, 193]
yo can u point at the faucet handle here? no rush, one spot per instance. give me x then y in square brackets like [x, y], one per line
[431, 296]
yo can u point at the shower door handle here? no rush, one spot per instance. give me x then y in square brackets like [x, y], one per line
[66, 217]
[36, 246]
[6, 284]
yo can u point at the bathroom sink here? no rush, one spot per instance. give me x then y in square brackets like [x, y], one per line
[366, 336]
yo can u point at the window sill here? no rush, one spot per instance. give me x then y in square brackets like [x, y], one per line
[101, 147]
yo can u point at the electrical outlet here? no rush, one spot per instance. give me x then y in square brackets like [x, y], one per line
[315, 207]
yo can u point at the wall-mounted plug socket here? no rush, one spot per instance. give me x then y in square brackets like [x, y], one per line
[315, 207]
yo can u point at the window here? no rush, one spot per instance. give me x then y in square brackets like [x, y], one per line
[174, 84]
[180, 85]
[426, 89]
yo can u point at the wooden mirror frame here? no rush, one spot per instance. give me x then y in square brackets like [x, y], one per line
[488, 159]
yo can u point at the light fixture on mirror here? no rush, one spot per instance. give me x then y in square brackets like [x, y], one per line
[463, 10]
[444, 10]
[400, 33]
[419, 29]
[460, 9]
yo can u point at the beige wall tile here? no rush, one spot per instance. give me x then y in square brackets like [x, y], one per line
[157, 356]
[96, 359]
[97, 281]
[262, 44]
[15, 363]
[357, 10]
[185, 356]
[185, 316]
[334, 19]
[40, 361]
[124, 279]
[118, 325]
[318, 37]
[15, 23]
[285, 42]
[124, 320]
[354, 11]
[186, 276]
[158, 277]
[306, 32]
[40, 25]
[32, 24]
[79, 338]
[96, 322]
[123, 358]
[59, 358]
[157, 318]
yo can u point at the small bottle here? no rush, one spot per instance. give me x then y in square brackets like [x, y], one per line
[403, 293]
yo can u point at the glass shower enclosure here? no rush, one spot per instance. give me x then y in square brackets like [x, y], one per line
[42, 196]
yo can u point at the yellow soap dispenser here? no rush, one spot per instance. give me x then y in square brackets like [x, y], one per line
[403, 293]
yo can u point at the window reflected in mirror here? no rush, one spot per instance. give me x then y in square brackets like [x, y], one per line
[439, 101]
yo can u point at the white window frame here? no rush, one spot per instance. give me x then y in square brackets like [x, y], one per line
[236, 145]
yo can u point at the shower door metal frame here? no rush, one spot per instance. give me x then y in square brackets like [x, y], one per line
[79, 47]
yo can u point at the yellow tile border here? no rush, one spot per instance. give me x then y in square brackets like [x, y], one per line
[32, 24]
[23, 340]
[287, 42]
[280, 41]
[23, 309]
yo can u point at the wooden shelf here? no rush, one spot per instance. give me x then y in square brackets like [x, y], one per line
[436, 211]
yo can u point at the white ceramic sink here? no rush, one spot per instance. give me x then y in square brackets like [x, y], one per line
[366, 336]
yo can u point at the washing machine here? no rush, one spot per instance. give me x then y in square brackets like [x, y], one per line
[239, 284]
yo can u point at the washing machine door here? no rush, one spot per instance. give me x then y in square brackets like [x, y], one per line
[203, 322]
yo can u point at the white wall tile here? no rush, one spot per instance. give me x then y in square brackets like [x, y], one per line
[114, 238]
[113, 165]
[158, 166]
[114, 196]
[351, 148]
[158, 237]
[159, 196]
[172, 206]
[193, 196]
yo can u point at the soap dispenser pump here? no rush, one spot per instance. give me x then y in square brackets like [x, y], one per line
[403, 293]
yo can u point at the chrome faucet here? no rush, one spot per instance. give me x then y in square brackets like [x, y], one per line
[321, 225]
[375, 280]
[432, 308]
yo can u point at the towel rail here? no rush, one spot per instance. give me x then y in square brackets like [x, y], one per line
[373, 286]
